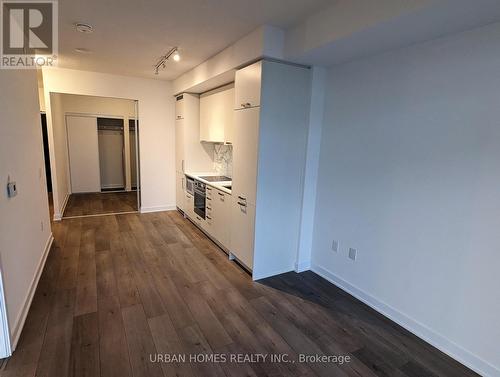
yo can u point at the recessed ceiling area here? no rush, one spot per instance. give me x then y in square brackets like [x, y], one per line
[130, 37]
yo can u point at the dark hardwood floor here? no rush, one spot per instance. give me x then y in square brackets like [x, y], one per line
[117, 289]
[101, 203]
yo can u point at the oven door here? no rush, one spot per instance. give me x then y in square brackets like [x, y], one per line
[190, 185]
[199, 203]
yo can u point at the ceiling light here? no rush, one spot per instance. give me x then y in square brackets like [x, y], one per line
[84, 28]
[174, 53]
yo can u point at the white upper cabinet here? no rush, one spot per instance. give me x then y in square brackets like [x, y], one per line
[191, 155]
[248, 88]
[216, 114]
[179, 107]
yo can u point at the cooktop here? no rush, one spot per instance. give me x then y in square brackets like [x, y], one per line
[216, 178]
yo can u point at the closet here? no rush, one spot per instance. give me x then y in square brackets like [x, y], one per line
[96, 149]
[111, 153]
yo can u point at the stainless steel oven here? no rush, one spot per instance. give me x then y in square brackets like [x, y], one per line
[199, 198]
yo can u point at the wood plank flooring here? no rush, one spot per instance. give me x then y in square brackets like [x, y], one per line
[117, 289]
[97, 203]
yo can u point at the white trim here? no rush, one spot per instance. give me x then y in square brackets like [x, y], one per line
[18, 326]
[5, 345]
[90, 115]
[114, 185]
[158, 209]
[100, 214]
[59, 216]
[429, 335]
[302, 266]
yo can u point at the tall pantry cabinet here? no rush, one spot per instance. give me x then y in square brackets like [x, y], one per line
[269, 149]
[190, 154]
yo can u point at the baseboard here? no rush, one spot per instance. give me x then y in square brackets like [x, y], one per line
[302, 266]
[422, 331]
[18, 326]
[58, 216]
[158, 209]
[104, 187]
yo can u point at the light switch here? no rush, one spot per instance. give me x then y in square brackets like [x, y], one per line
[352, 253]
[11, 189]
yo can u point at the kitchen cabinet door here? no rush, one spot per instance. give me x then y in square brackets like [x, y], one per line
[189, 205]
[180, 193]
[179, 145]
[242, 232]
[247, 86]
[245, 154]
[211, 118]
[221, 215]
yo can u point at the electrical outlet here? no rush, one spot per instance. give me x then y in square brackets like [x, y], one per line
[353, 253]
[335, 246]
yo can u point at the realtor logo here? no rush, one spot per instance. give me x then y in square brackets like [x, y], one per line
[29, 33]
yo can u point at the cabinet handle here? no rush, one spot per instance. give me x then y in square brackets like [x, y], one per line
[242, 204]
[208, 217]
[220, 193]
[242, 198]
[210, 208]
[209, 198]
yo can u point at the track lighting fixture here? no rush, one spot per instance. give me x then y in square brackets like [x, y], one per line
[174, 53]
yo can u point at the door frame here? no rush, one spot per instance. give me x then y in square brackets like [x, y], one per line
[48, 99]
[5, 346]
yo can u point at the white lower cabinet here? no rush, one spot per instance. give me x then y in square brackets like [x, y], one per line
[220, 216]
[242, 232]
[189, 204]
[180, 190]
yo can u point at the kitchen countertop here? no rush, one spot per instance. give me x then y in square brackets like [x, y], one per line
[217, 185]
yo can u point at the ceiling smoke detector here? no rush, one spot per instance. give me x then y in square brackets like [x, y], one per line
[84, 28]
[83, 50]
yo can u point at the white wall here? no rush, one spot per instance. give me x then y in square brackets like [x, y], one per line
[218, 70]
[316, 113]
[343, 18]
[156, 130]
[410, 176]
[24, 220]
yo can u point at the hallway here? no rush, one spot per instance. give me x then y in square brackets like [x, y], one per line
[100, 203]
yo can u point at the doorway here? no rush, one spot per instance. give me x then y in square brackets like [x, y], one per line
[97, 150]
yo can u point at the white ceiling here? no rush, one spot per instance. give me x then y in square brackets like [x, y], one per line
[131, 35]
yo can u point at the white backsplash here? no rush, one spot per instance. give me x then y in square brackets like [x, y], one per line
[223, 159]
